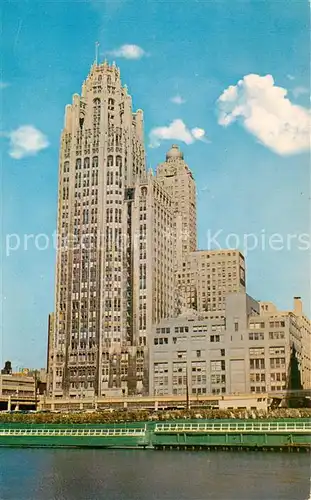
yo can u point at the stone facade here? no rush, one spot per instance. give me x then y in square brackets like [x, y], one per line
[114, 272]
[101, 155]
[207, 276]
[240, 351]
[177, 179]
[300, 333]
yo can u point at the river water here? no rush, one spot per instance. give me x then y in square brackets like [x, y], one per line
[60, 474]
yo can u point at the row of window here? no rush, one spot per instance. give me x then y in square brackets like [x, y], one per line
[86, 163]
[259, 363]
[261, 335]
[195, 329]
[164, 340]
[260, 351]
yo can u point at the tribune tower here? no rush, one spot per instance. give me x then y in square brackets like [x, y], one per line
[101, 155]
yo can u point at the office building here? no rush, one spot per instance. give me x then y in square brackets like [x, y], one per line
[101, 155]
[299, 330]
[177, 179]
[153, 239]
[207, 276]
[243, 351]
[114, 263]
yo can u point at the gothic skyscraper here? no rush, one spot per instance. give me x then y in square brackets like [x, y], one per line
[101, 155]
[115, 259]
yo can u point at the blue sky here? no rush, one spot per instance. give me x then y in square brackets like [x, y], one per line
[251, 166]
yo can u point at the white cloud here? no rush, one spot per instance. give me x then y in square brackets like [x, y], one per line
[3, 85]
[298, 91]
[266, 112]
[177, 99]
[128, 51]
[176, 130]
[198, 133]
[26, 141]
[290, 77]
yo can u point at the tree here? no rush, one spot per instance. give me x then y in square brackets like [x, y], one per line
[294, 382]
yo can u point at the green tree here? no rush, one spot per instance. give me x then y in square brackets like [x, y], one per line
[294, 382]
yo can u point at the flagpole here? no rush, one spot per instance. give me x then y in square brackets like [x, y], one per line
[187, 387]
[96, 52]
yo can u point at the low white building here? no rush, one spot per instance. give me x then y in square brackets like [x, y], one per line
[239, 351]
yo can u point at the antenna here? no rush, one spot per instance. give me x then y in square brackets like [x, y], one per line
[96, 52]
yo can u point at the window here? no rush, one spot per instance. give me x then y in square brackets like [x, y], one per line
[181, 354]
[199, 329]
[257, 377]
[218, 365]
[277, 362]
[198, 354]
[215, 366]
[110, 161]
[257, 351]
[276, 335]
[257, 326]
[276, 324]
[276, 350]
[256, 336]
[218, 379]
[215, 338]
[257, 364]
[198, 337]
[236, 326]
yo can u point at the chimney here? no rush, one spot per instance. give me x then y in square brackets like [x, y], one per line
[298, 306]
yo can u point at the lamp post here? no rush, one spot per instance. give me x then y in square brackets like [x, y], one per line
[187, 389]
[36, 384]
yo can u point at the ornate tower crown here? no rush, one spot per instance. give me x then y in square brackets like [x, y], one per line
[174, 152]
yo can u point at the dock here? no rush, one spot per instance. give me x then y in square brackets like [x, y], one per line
[229, 434]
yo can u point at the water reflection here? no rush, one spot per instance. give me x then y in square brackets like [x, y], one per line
[149, 475]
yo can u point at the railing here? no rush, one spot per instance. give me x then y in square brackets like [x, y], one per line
[140, 432]
[245, 427]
